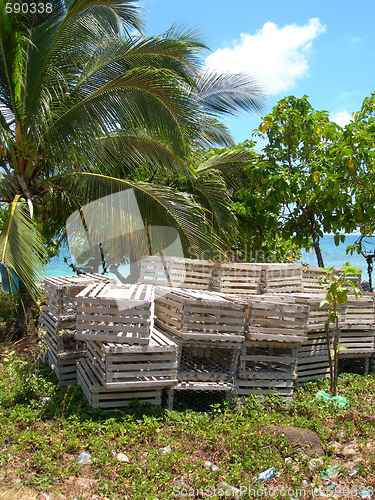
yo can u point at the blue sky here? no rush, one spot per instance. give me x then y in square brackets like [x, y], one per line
[324, 49]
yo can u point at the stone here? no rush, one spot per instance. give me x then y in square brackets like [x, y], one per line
[306, 440]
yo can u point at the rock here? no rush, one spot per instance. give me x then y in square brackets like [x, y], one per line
[349, 450]
[121, 457]
[308, 441]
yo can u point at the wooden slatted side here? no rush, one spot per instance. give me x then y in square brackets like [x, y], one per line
[198, 315]
[359, 313]
[100, 397]
[262, 387]
[267, 361]
[60, 336]
[357, 343]
[239, 278]
[65, 369]
[310, 279]
[155, 365]
[283, 278]
[177, 272]
[277, 321]
[115, 313]
[318, 314]
[312, 362]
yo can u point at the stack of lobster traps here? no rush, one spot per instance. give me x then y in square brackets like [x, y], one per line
[57, 324]
[209, 331]
[197, 331]
[127, 358]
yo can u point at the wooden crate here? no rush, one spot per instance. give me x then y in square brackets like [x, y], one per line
[60, 292]
[115, 313]
[60, 336]
[311, 275]
[277, 321]
[109, 399]
[65, 369]
[312, 359]
[121, 365]
[200, 361]
[176, 272]
[358, 343]
[268, 361]
[318, 315]
[199, 315]
[239, 278]
[359, 313]
[310, 279]
[283, 278]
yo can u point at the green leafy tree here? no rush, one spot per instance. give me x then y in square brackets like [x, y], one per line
[79, 93]
[300, 173]
[338, 286]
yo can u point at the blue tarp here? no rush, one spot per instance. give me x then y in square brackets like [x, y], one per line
[12, 283]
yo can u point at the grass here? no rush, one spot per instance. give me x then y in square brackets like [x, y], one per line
[40, 443]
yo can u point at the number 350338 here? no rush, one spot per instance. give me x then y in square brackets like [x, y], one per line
[28, 8]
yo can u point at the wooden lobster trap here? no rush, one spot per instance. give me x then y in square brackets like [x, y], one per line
[267, 367]
[121, 365]
[240, 278]
[283, 278]
[60, 292]
[199, 315]
[115, 313]
[277, 321]
[99, 396]
[60, 336]
[312, 360]
[176, 272]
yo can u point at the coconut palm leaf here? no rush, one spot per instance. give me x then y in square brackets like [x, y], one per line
[159, 206]
[21, 246]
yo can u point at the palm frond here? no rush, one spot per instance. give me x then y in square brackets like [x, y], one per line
[21, 246]
[229, 94]
[159, 206]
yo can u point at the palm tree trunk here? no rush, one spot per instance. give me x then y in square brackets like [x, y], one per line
[24, 325]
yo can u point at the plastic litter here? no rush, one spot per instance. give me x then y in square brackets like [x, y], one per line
[166, 450]
[44, 401]
[352, 471]
[44, 496]
[336, 400]
[288, 460]
[84, 458]
[330, 472]
[267, 474]
[304, 482]
[121, 457]
[227, 487]
[365, 494]
[207, 465]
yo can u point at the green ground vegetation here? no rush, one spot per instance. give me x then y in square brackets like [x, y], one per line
[40, 442]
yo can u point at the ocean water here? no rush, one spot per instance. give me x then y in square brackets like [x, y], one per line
[332, 255]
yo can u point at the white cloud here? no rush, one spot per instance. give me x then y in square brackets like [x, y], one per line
[342, 118]
[276, 57]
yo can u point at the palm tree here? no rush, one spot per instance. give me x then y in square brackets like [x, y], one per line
[81, 88]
